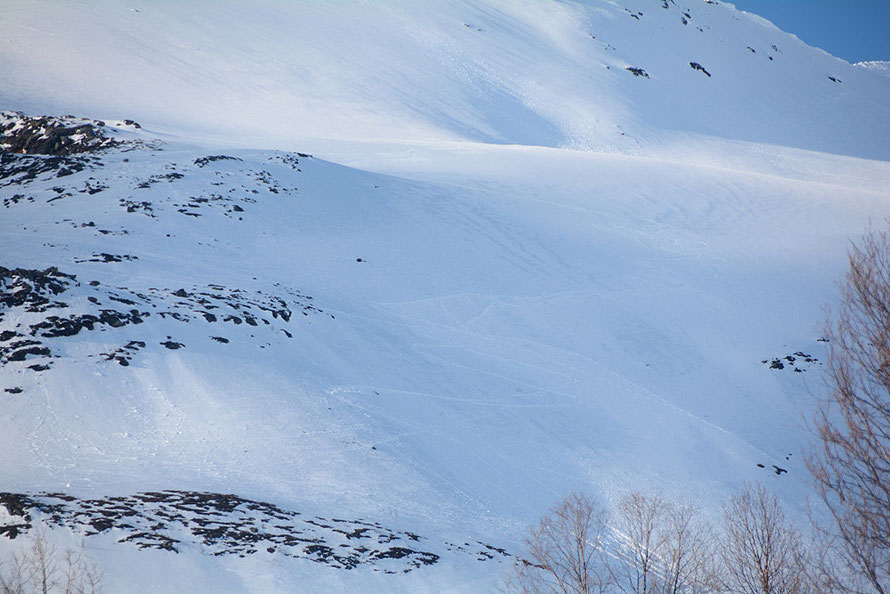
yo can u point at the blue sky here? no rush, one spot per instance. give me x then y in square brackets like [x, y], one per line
[855, 30]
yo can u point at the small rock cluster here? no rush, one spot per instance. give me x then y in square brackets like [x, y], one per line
[798, 361]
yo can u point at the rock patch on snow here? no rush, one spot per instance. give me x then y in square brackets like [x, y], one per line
[225, 524]
[799, 361]
[35, 298]
[54, 136]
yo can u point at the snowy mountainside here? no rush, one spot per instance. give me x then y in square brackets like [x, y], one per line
[442, 357]
[133, 194]
[513, 268]
[267, 74]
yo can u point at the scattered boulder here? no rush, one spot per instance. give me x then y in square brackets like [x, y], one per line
[697, 66]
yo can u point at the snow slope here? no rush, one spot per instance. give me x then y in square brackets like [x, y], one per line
[271, 74]
[523, 272]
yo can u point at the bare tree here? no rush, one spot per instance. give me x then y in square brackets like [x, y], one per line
[852, 466]
[44, 564]
[689, 561]
[642, 521]
[565, 551]
[13, 576]
[827, 572]
[82, 576]
[666, 549]
[763, 552]
[40, 568]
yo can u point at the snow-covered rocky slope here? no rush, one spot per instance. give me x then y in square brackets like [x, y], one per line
[539, 247]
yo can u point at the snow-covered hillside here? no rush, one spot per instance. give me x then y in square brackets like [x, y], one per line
[271, 74]
[539, 247]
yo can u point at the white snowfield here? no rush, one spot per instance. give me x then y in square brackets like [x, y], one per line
[880, 66]
[524, 268]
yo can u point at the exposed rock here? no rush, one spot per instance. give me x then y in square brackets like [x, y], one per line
[47, 135]
[202, 161]
[225, 524]
[697, 66]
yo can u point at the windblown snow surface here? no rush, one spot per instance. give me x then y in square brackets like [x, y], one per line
[539, 246]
